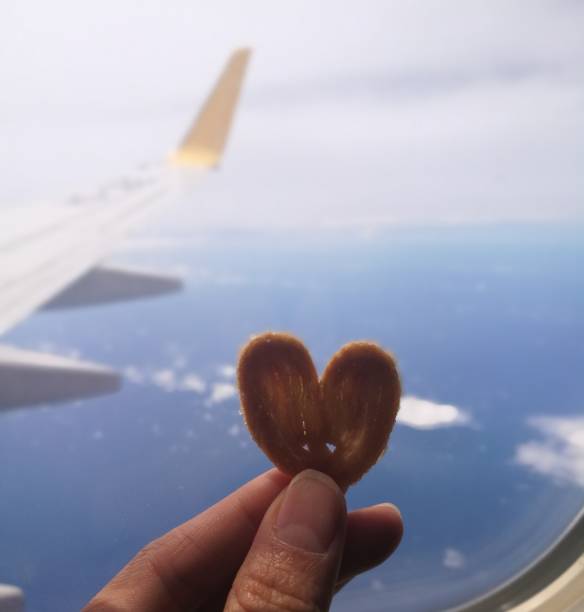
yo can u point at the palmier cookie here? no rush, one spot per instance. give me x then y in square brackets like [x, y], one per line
[339, 424]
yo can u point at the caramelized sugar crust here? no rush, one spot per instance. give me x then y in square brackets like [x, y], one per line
[339, 425]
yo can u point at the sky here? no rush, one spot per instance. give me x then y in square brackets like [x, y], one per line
[368, 113]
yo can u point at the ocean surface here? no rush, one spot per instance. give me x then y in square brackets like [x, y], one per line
[486, 463]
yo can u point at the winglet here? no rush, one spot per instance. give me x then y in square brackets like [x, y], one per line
[205, 141]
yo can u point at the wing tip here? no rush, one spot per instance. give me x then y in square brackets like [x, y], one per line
[205, 142]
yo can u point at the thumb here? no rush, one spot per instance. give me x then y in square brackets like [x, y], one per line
[294, 560]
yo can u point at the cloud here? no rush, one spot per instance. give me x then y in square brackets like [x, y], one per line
[226, 370]
[134, 374]
[414, 412]
[425, 414]
[396, 84]
[168, 379]
[234, 430]
[359, 39]
[165, 379]
[493, 129]
[193, 382]
[220, 392]
[560, 454]
[453, 559]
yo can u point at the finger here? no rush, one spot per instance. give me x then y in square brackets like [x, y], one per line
[372, 535]
[294, 560]
[189, 564]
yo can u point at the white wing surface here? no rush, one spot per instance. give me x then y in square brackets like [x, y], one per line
[37, 265]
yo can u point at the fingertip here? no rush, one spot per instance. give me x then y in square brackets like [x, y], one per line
[387, 506]
[277, 476]
[391, 515]
[373, 534]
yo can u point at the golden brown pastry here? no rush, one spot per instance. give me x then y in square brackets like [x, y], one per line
[338, 425]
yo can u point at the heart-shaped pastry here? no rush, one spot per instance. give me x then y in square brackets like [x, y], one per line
[338, 425]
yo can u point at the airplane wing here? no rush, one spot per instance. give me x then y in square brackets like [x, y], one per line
[54, 259]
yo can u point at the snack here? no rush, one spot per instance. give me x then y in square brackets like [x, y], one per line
[339, 425]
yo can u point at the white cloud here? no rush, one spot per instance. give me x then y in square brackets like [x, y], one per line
[221, 392]
[453, 559]
[168, 379]
[134, 374]
[425, 414]
[165, 379]
[193, 382]
[226, 370]
[234, 430]
[560, 454]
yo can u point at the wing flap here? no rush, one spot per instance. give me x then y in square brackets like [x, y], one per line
[108, 284]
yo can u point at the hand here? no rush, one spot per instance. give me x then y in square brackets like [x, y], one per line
[273, 545]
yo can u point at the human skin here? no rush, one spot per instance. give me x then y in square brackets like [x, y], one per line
[272, 545]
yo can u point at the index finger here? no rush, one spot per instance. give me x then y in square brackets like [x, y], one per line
[189, 564]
